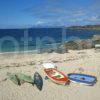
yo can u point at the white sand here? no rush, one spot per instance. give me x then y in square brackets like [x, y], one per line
[88, 61]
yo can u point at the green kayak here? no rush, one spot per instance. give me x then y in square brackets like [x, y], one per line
[19, 78]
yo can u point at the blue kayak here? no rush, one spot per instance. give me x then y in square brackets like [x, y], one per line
[82, 78]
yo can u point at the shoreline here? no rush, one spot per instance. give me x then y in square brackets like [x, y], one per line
[18, 52]
[66, 45]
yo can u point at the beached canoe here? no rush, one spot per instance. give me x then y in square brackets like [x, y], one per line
[82, 78]
[56, 76]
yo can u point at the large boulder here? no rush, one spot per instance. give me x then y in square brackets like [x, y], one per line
[85, 44]
[70, 45]
[61, 50]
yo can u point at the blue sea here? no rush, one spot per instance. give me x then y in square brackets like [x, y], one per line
[35, 38]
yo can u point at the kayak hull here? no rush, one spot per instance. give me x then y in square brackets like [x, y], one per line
[82, 79]
[38, 81]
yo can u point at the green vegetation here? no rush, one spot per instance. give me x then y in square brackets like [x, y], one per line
[93, 27]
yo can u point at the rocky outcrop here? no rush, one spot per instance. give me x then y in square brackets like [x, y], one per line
[78, 44]
[74, 45]
[60, 50]
[69, 45]
[85, 44]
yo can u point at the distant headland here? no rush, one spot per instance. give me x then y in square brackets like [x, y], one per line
[88, 27]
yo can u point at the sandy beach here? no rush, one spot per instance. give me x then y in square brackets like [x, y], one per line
[84, 61]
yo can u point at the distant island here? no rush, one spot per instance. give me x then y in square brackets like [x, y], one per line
[93, 27]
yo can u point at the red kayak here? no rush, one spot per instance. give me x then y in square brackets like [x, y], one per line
[56, 76]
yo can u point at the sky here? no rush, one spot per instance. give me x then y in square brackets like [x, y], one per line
[27, 13]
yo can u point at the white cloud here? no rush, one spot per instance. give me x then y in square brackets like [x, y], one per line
[94, 19]
[40, 22]
[79, 13]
